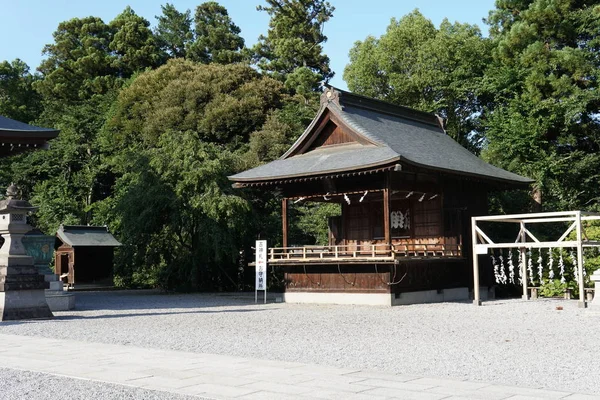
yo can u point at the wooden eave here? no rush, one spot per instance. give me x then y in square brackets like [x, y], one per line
[308, 178]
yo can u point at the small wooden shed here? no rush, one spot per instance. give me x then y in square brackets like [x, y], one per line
[84, 254]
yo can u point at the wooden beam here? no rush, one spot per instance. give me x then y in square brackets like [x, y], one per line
[284, 222]
[386, 216]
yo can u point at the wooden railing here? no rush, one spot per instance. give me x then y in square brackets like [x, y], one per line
[371, 251]
[363, 252]
[428, 250]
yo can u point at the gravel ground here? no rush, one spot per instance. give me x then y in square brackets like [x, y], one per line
[16, 384]
[513, 342]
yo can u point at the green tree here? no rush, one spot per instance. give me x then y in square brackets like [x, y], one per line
[18, 99]
[79, 63]
[85, 67]
[292, 49]
[173, 137]
[173, 32]
[417, 65]
[133, 44]
[217, 38]
[543, 121]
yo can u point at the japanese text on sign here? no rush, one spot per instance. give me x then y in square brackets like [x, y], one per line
[261, 265]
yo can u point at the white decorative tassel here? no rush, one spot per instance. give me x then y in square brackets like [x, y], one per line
[347, 198]
[540, 267]
[575, 269]
[511, 268]
[561, 267]
[520, 267]
[530, 268]
[363, 196]
[550, 265]
[496, 271]
[502, 270]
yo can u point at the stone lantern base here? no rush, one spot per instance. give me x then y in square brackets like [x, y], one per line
[22, 292]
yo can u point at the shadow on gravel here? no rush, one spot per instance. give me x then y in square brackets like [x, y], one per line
[121, 300]
[150, 314]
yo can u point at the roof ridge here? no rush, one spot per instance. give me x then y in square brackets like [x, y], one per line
[341, 97]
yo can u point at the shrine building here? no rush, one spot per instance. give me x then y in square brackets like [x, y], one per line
[407, 192]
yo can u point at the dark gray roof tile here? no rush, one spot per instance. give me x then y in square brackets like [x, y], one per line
[76, 235]
[397, 133]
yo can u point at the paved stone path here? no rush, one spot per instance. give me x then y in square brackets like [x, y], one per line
[227, 377]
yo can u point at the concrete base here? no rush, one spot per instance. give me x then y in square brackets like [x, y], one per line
[370, 299]
[60, 302]
[434, 296]
[380, 299]
[56, 297]
[24, 304]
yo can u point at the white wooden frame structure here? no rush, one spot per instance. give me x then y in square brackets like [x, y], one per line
[526, 240]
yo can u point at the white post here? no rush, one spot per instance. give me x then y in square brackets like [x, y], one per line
[475, 256]
[582, 303]
[523, 252]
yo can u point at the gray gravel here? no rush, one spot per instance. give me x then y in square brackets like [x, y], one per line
[16, 384]
[515, 342]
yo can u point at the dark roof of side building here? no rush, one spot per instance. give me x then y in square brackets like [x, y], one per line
[391, 133]
[9, 128]
[79, 235]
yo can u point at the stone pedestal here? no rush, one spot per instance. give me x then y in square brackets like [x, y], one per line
[21, 285]
[41, 248]
[595, 303]
[56, 297]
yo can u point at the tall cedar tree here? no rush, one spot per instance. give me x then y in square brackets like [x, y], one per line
[217, 38]
[174, 32]
[18, 99]
[292, 50]
[435, 70]
[85, 66]
[543, 121]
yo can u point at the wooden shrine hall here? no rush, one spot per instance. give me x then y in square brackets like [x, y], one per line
[407, 192]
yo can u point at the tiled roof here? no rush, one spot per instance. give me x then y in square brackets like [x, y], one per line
[11, 128]
[398, 134]
[79, 235]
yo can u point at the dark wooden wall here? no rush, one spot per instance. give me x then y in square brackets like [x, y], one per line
[401, 278]
[89, 264]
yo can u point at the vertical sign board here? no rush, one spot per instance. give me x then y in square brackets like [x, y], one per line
[261, 268]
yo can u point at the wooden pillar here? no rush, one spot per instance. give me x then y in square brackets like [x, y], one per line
[523, 253]
[386, 215]
[284, 221]
[582, 302]
[476, 298]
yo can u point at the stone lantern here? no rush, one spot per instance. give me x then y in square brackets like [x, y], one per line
[21, 285]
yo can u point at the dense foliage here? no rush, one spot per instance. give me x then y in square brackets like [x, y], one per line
[154, 119]
[418, 65]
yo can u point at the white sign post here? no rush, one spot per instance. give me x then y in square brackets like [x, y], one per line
[261, 269]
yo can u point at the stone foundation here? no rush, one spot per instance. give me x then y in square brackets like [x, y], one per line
[382, 299]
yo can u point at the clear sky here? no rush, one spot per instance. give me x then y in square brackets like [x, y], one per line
[27, 25]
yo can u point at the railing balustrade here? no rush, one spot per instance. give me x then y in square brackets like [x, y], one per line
[366, 251]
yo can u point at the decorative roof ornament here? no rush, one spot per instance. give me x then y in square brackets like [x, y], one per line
[330, 95]
[12, 191]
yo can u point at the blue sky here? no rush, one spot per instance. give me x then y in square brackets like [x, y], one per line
[28, 24]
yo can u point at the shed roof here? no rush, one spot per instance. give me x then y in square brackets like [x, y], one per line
[394, 134]
[79, 235]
